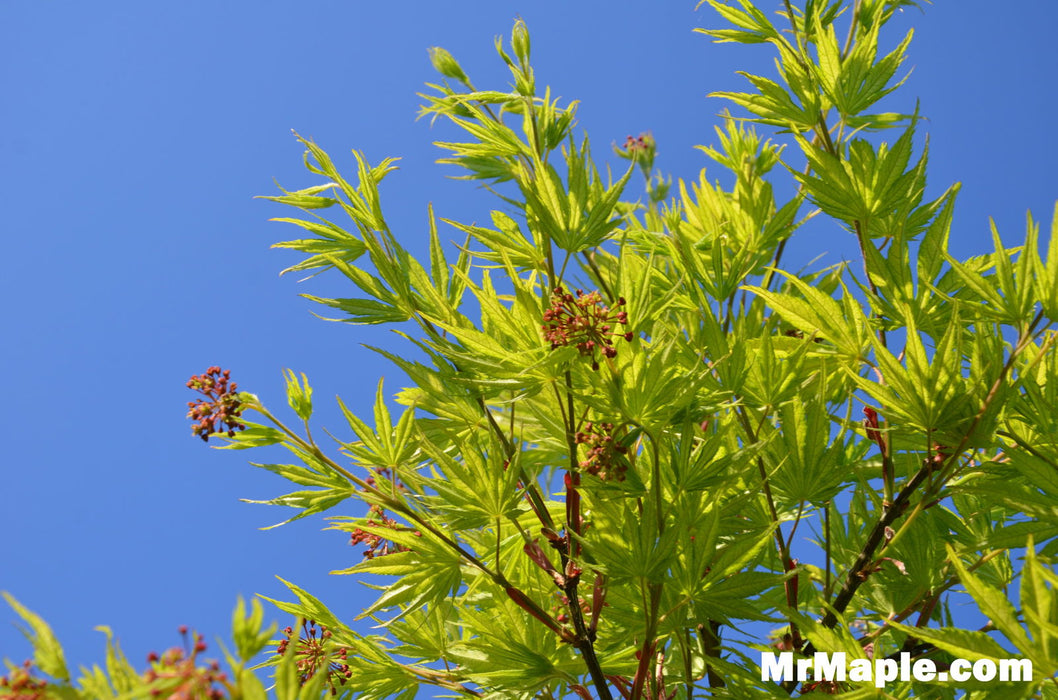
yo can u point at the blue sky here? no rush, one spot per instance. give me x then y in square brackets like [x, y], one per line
[134, 136]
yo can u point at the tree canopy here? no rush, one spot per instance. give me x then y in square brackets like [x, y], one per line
[635, 451]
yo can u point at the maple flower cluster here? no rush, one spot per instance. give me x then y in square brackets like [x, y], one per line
[605, 455]
[178, 672]
[312, 655]
[21, 684]
[221, 408]
[584, 322]
[378, 546]
[642, 149]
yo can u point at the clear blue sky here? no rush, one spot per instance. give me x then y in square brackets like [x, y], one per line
[133, 138]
